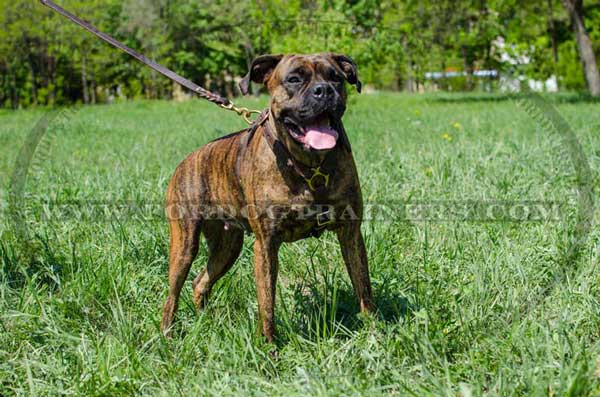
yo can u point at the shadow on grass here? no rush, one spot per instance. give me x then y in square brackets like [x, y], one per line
[21, 263]
[469, 98]
[574, 98]
[319, 312]
[555, 98]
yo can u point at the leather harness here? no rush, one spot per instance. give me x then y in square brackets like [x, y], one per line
[317, 178]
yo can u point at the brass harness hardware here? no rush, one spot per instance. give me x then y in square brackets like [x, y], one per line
[327, 219]
[323, 218]
[241, 111]
[316, 174]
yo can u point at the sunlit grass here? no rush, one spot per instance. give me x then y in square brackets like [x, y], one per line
[463, 304]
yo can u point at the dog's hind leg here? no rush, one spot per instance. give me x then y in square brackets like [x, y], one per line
[182, 252]
[224, 247]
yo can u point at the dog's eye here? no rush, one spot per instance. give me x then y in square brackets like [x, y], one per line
[294, 80]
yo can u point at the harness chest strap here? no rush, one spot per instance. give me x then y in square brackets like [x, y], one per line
[322, 219]
[245, 139]
[311, 175]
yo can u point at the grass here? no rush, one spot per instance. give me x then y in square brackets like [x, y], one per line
[466, 307]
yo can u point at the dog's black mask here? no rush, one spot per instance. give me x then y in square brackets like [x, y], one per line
[308, 95]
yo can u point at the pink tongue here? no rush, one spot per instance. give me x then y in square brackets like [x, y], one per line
[320, 137]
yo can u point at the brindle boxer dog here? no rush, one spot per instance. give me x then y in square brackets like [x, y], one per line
[289, 177]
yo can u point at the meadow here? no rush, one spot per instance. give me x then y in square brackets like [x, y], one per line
[489, 303]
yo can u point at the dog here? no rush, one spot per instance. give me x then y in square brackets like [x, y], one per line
[288, 177]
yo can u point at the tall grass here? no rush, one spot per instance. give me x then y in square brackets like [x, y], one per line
[466, 307]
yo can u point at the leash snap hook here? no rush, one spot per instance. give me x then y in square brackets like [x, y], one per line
[242, 111]
[247, 114]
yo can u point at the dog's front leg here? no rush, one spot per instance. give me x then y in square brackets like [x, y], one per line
[265, 271]
[355, 258]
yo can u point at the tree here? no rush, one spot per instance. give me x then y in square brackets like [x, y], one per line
[46, 60]
[586, 51]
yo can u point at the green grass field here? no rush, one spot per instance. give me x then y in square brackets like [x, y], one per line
[466, 306]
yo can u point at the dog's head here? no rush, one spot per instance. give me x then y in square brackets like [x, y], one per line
[308, 97]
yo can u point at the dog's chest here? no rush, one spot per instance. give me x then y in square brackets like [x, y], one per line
[294, 206]
[305, 216]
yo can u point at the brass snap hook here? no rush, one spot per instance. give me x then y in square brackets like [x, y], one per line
[242, 111]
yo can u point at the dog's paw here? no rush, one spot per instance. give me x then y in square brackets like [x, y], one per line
[274, 353]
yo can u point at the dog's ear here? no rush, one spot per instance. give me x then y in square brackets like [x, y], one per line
[260, 71]
[349, 68]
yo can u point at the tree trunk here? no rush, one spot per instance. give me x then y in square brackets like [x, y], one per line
[93, 91]
[52, 81]
[152, 87]
[34, 91]
[468, 68]
[586, 51]
[84, 80]
[553, 34]
[14, 98]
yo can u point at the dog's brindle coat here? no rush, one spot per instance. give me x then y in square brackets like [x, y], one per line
[246, 171]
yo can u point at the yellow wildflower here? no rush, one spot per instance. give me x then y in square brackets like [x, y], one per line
[447, 136]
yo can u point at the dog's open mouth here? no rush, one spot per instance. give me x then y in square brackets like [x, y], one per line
[317, 134]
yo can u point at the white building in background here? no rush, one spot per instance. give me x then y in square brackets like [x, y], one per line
[513, 83]
[507, 82]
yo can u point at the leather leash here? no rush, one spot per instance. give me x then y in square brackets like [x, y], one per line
[202, 92]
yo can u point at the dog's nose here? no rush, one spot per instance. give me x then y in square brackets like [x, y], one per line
[321, 90]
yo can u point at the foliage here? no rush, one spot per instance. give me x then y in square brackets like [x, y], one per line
[44, 59]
